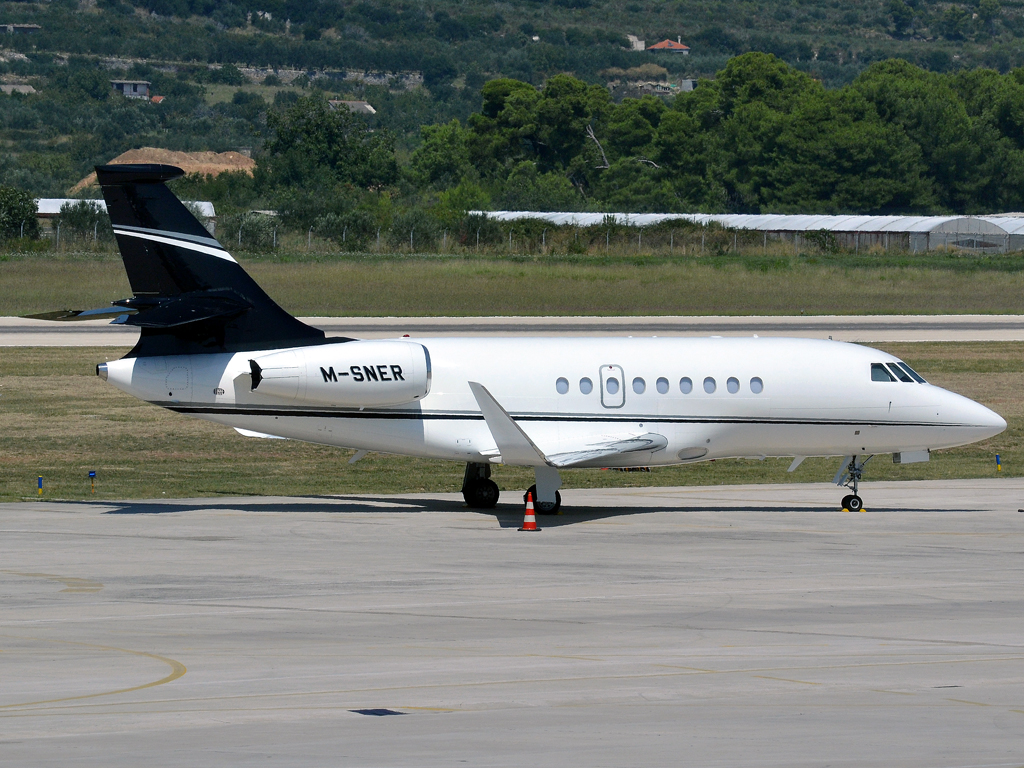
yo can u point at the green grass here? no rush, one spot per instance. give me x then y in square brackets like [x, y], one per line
[467, 285]
[60, 421]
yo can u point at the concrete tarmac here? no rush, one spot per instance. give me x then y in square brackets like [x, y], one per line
[21, 332]
[724, 626]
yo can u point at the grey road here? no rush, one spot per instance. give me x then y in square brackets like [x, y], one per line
[875, 328]
[726, 626]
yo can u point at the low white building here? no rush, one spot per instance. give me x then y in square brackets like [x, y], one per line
[996, 233]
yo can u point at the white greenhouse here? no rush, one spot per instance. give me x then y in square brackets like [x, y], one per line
[994, 234]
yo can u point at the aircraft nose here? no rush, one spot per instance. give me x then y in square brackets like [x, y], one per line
[983, 421]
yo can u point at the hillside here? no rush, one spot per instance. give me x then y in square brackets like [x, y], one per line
[222, 67]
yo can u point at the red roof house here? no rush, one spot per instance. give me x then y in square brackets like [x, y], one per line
[670, 45]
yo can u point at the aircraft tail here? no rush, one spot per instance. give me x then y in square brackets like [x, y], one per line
[190, 295]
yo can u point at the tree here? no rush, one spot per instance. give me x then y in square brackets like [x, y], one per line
[17, 214]
[527, 190]
[925, 107]
[901, 15]
[442, 160]
[314, 145]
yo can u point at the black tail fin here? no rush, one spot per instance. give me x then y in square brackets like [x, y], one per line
[191, 296]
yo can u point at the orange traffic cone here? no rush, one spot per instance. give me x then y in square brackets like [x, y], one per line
[530, 520]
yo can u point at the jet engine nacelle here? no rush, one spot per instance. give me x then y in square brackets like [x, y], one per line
[354, 373]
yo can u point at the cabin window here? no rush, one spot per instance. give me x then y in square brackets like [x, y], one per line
[900, 373]
[914, 374]
[709, 385]
[639, 385]
[733, 385]
[880, 373]
[562, 385]
[685, 385]
[612, 385]
[662, 385]
[756, 385]
[586, 386]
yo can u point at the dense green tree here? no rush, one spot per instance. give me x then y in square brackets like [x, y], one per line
[314, 146]
[442, 160]
[931, 114]
[17, 214]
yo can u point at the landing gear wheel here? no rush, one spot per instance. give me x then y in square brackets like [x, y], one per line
[542, 508]
[845, 503]
[854, 503]
[481, 494]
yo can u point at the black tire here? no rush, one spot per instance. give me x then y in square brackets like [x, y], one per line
[481, 494]
[544, 509]
[855, 504]
[845, 503]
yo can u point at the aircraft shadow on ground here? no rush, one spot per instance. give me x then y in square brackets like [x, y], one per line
[506, 515]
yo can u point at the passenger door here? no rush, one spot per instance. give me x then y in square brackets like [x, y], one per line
[613, 386]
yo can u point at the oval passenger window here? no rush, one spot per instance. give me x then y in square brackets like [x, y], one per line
[733, 385]
[663, 385]
[586, 386]
[756, 385]
[612, 385]
[685, 385]
[709, 385]
[562, 385]
[639, 385]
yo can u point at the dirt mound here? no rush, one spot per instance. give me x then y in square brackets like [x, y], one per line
[211, 163]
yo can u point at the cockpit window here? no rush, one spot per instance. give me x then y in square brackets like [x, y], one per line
[914, 374]
[900, 373]
[880, 373]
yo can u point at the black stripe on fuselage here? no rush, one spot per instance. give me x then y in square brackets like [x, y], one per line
[577, 419]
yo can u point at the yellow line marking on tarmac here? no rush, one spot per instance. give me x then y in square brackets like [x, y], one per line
[177, 670]
[486, 683]
[975, 703]
[898, 693]
[71, 583]
[786, 680]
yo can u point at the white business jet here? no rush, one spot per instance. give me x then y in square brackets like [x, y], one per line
[215, 346]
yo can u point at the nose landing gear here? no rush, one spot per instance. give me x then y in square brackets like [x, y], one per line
[849, 476]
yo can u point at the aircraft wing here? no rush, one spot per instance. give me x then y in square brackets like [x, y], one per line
[517, 448]
[614, 447]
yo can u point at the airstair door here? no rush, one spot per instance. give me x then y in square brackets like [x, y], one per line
[613, 386]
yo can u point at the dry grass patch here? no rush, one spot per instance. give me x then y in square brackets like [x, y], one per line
[414, 287]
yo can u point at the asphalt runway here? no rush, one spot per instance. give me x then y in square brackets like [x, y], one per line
[16, 331]
[724, 626]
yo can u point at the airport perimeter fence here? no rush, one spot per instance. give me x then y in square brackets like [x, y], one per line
[261, 233]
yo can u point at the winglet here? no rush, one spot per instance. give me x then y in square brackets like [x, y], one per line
[515, 446]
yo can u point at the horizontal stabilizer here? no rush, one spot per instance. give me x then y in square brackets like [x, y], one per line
[188, 308]
[66, 315]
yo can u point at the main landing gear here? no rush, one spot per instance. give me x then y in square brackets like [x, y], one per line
[544, 507]
[479, 491]
[849, 476]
